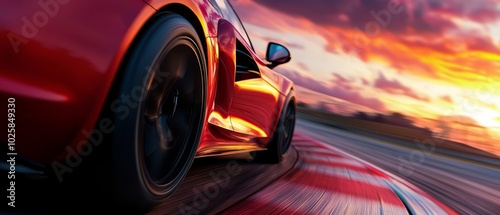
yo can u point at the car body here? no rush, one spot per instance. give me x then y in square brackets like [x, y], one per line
[62, 62]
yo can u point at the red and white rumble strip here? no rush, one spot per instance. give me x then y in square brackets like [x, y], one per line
[326, 180]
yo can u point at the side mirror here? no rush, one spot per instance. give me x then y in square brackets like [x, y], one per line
[277, 54]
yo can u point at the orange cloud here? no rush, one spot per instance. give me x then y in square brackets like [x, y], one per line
[422, 38]
[447, 99]
[445, 45]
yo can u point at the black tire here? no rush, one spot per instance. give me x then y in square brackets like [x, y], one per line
[282, 137]
[160, 113]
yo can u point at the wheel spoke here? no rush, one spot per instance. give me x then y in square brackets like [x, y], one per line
[151, 139]
[169, 113]
[155, 155]
[164, 132]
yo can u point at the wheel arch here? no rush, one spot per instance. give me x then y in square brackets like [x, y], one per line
[192, 18]
[144, 25]
[141, 23]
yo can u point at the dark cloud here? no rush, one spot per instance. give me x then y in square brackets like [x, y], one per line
[365, 82]
[357, 98]
[422, 16]
[478, 42]
[361, 13]
[339, 78]
[425, 25]
[395, 87]
[343, 91]
[477, 10]
[305, 81]
[344, 83]
[485, 14]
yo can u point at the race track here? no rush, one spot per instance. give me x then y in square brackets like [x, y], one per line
[328, 171]
[467, 187]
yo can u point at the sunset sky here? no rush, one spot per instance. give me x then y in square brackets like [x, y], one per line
[437, 59]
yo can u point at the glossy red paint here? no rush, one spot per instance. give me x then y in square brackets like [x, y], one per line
[225, 75]
[60, 66]
[60, 63]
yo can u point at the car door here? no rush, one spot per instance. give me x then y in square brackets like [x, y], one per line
[254, 107]
[254, 103]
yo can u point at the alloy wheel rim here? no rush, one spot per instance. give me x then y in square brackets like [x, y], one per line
[288, 125]
[172, 112]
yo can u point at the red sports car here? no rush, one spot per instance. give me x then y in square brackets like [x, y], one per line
[156, 82]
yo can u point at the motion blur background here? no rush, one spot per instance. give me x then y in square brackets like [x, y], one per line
[419, 67]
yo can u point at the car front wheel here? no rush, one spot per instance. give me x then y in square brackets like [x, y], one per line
[159, 112]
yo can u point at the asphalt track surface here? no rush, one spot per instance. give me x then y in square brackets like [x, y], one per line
[328, 181]
[467, 187]
[318, 176]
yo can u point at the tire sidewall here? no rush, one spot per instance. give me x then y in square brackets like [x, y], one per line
[290, 101]
[131, 185]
